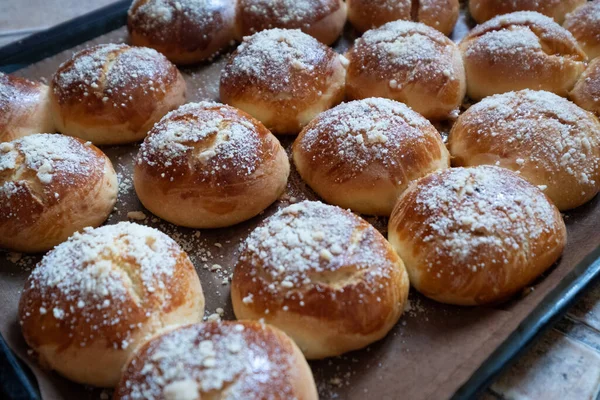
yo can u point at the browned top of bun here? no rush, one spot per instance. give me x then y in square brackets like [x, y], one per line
[584, 24]
[483, 10]
[188, 24]
[38, 171]
[102, 285]
[369, 135]
[113, 83]
[321, 261]
[16, 93]
[586, 92]
[523, 34]
[235, 360]
[279, 65]
[258, 15]
[207, 143]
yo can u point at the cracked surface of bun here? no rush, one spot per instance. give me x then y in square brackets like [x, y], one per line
[95, 298]
[411, 63]
[472, 236]
[114, 93]
[324, 276]
[522, 50]
[219, 360]
[483, 10]
[438, 14]
[50, 187]
[584, 24]
[25, 108]
[543, 137]
[185, 31]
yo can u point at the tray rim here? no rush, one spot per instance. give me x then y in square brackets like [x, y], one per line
[554, 305]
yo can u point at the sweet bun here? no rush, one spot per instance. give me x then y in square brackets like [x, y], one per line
[545, 138]
[483, 10]
[208, 165]
[363, 154]
[409, 62]
[322, 275]
[438, 14]
[584, 24]
[50, 187]
[218, 360]
[95, 298]
[25, 108]
[472, 236]
[586, 92]
[114, 93]
[283, 78]
[322, 19]
[522, 50]
[185, 31]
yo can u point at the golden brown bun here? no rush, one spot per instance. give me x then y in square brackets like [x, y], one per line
[24, 108]
[438, 14]
[363, 154]
[218, 360]
[584, 24]
[586, 92]
[283, 78]
[545, 138]
[322, 19]
[95, 298]
[50, 187]
[409, 62]
[472, 236]
[208, 165]
[522, 50]
[322, 275]
[114, 93]
[483, 10]
[185, 31]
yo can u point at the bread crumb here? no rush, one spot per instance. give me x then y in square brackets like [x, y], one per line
[136, 215]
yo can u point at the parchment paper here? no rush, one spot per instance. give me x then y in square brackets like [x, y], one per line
[430, 353]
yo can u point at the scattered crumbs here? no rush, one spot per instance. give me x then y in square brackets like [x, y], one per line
[136, 215]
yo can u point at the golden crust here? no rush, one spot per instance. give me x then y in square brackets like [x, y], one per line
[185, 31]
[93, 299]
[522, 50]
[439, 14]
[586, 92]
[322, 19]
[471, 236]
[408, 62]
[208, 165]
[283, 78]
[483, 10]
[50, 187]
[219, 360]
[363, 154]
[113, 94]
[545, 138]
[324, 276]
[584, 24]
[25, 108]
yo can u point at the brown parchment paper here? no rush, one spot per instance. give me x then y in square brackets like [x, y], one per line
[430, 353]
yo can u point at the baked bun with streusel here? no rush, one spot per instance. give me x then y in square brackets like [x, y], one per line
[95, 298]
[185, 31]
[218, 360]
[114, 93]
[322, 19]
[584, 24]
[324, 276]
[471, 236]
[586, 92]
[483, 10]
[522, 50]
[50, 187]
[363, 154]
[545, 138]
[208, 165]
[438, 14]
[283, 78]
[409, 62]
[24, 108]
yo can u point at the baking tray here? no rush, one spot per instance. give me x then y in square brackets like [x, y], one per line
[501, 333]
